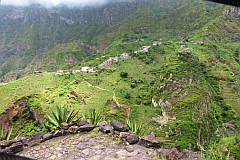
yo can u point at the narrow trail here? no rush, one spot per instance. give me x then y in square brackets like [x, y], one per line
[87, 147]
[103, 89]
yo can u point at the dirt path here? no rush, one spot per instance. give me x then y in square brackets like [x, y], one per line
[103, 89]
[87, 147]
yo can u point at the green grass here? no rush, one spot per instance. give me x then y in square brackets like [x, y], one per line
[33, 84]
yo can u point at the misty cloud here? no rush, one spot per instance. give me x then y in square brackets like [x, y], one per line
[50, 3]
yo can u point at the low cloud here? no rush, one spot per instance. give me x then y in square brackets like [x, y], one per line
[50, 3]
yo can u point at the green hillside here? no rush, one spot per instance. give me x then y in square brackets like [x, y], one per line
[186, 89]
[27, 33]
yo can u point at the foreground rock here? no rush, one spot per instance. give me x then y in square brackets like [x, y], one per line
[15, 148]
[150, 141]
[73, 129]
[86, 128]
[132, 139]
[82, 123]
[106, 129]
[118, 126]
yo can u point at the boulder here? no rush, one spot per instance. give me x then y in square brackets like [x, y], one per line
[82, 123]
[124, 135]
[132, 139]
[86, 128]
[61, 132]
[14, 148]
[64, 126]
[58, 133]
[103, 123]
[21, 139]
[106, 129]
[150, 141]
[5, 143]
[37, 136]
[119, 126]
[33, 140]
[47, 136]
[75, 123]
[188, 155]
[73, 129]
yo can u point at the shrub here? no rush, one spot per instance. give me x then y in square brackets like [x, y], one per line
[127, 96]
[134, 126]
[7, 136]
[94, 117]
[124, 74]
[60, 115]
[31, 128]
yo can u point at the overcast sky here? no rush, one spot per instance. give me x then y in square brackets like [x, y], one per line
[50, 3]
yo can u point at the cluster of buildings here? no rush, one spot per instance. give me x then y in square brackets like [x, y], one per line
[113, 60]
[109, 62]
[144, 49]
[82, 70]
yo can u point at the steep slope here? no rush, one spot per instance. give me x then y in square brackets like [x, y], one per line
[28, 32]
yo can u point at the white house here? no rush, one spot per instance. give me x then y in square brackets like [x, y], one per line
[60, 72]
[87, 70]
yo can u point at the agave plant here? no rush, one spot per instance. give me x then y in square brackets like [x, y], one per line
[7, 136]
[60, 115]
[134, 126]
[94, 117]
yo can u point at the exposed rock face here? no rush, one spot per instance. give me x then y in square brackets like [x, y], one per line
[12, 114]
[16, 112]
[118, 126]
